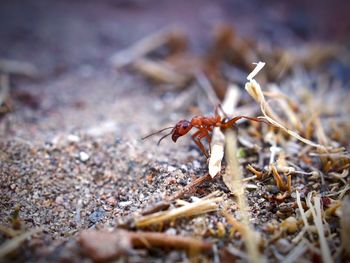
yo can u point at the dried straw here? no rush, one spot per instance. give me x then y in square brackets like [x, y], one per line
[188, 210]
[255, 91]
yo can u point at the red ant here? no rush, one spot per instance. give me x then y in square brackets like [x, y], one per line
[205, 126]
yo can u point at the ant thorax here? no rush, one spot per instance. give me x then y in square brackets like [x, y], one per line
[197, 121]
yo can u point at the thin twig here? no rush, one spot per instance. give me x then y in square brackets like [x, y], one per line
[189, 188]
[143, 47]
[191, 209]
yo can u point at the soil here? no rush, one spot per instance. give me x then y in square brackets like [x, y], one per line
[71, 154]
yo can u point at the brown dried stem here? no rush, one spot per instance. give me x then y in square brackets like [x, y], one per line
[152, 239]
[190, 209]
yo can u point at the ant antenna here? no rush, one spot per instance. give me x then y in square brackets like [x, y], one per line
[154, 133]
[166, 135]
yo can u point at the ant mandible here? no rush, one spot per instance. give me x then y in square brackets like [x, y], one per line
[204, 125]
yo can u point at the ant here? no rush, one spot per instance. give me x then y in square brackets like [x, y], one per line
[205, 126]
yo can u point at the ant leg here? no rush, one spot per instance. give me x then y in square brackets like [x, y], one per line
[196, 137]
[235, 119]
[205, 134]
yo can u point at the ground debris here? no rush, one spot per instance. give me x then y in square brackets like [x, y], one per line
[72, 158]
[102, 246]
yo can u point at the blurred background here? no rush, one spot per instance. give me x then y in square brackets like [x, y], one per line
[58, 36]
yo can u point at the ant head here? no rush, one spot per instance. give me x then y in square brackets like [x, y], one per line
[181, 128]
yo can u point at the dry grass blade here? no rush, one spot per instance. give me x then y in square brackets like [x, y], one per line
[236, 225]
[192, 209]
[303, 214]
[10, 232]
[14, 243]
[255, 91]
[294, 255]
[283, 186]
[317, 216]
[232, 179]
[286, 104]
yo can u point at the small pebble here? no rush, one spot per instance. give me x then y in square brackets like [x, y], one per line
[196, 164]
[83, 156]
[182, 182]
[111, 201]
[59, 200]
[251, 187]
[97, 215]
[273, 189]
[261, 200]
[125, 204]
[73, 138]
[171, 169]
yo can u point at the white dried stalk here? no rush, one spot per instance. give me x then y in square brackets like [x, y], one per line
[254, 90]
[218, 138]
[256, 70]
[216, 152]
[320, 132]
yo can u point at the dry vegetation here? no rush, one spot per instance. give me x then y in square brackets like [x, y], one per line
[274, 192]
